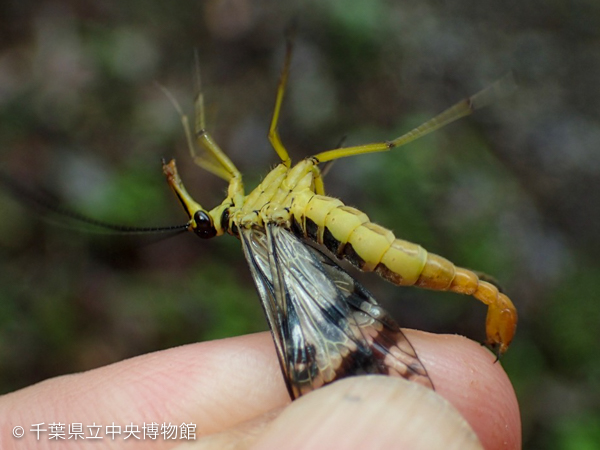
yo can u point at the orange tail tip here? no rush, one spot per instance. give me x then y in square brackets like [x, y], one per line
[501, 324]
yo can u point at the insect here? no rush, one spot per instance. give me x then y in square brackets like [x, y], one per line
[325, 325]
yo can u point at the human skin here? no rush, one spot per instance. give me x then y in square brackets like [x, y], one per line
[232, 389]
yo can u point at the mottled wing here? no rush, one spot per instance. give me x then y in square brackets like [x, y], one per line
[387, 342]
[325, 325]
[254, 244]
[304, 310]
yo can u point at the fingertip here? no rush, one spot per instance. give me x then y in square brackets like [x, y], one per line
[468, 375]
[215, 385]
[370, 412]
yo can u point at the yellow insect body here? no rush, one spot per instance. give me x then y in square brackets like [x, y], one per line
[293, 197]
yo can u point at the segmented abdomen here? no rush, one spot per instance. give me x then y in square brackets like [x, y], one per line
[349, 234]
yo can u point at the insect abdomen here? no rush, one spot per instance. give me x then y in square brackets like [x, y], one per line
[349, 234]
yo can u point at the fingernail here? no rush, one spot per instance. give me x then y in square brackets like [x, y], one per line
[370, 412]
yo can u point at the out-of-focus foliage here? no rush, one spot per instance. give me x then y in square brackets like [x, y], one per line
[513, 191]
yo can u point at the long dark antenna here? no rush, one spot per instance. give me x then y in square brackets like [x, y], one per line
[38, 198]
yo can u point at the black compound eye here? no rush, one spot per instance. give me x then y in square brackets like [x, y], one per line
[204, 225]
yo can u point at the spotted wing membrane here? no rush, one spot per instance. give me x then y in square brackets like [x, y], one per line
[325, 324]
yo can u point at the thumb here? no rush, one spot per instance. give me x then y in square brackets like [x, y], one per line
[370, 412]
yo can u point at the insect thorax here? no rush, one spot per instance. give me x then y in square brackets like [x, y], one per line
[281, 196]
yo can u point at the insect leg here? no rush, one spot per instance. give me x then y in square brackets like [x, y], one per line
[212, 166]
[318, 177]
[273, 133]
[463, 108]
[217, 161]
[320, 173]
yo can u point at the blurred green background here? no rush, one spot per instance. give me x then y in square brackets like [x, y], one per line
[513, 190]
